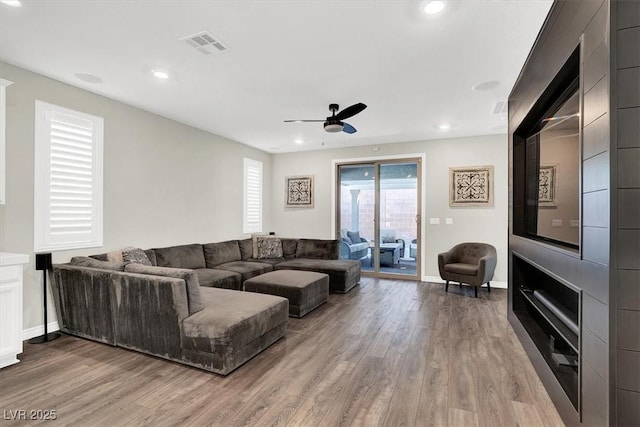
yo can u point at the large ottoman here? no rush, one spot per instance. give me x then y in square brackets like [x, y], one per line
[343, 274]
[305, 290]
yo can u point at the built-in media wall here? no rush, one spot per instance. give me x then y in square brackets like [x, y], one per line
[574, 204]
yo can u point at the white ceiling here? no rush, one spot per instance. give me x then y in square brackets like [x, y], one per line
[287, 60]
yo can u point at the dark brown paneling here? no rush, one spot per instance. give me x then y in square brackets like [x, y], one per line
[596, 101]
[629, 289]
[595, 244]
[596, 353]
[629, 87]
[629, 208]
[595, 173]
[595, 138]
[628, 362]
[595, 209]
[629, 48]
[595, 396]
[628, 14]
[629, 330]
[595, 316]
[628, 408]
[591, 277]
[597, 28]
[628, 248]
[629, 128]
[629, 168]
[596, 66]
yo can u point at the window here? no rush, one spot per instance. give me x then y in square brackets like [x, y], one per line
[68, 179]
[252, 196]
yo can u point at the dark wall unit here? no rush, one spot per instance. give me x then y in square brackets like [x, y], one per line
[604, 271]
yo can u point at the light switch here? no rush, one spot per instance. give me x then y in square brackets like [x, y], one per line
[575, 223]
[448, 221]
[434, 221]
[556, 223]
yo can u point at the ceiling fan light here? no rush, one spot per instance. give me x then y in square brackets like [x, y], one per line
[333, 127]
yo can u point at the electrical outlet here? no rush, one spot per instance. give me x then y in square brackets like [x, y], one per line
[434, 221]
[448, 221]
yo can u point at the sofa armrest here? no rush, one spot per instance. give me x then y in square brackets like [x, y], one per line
[486, 267]
[445, 258]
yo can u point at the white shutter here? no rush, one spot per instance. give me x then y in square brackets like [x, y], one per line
[68, 179]
[252, 196]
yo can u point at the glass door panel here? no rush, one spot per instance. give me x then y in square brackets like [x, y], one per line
[377, 216]
[356, 212]
[398, 214]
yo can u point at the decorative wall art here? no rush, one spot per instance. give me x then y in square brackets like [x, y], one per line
[547, 186]
[299, 191]
[471, 186]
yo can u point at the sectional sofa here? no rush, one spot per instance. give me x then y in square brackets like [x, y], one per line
[187, 306]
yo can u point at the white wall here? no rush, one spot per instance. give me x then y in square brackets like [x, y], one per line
[165, 183]
[470, 224]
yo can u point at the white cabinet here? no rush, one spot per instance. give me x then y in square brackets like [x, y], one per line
[11, 307]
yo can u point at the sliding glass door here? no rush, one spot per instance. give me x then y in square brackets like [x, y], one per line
[378, 216]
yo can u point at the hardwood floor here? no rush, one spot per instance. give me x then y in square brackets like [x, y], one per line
[388, 353]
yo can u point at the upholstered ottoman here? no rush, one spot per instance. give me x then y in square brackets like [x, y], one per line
[305, 290]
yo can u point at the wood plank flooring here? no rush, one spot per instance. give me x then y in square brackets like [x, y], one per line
[389, 353]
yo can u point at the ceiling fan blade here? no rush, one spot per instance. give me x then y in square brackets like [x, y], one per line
[350, 111]
[304, 121]
[348, 128]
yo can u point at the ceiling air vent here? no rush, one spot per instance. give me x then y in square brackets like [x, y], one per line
[205, 43]
[500, 107]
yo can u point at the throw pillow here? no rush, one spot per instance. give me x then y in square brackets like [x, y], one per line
[136, 256]
[267, 247]
[354, 236]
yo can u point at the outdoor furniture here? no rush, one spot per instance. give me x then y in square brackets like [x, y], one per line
[413, 248]
[470, 263]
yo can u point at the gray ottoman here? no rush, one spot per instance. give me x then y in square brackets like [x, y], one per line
[305, 290]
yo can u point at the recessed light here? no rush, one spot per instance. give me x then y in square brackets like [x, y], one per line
[433, 7]
[12, 3]
[444, 126]
[160, 74]
[89, 78]
[485, 86]
[299, 141]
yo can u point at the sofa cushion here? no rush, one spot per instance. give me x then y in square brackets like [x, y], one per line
[85, 261]
[267, 247]
[183, 256]
[194, 299]
[135, 255]
[212, 278]
[354, 236]
[320, 249]
[232, 319]
[152, 256]
[461, 268]
[246, 249]
[289, 247]
[362, 246]
[246, 269]
[271, 261]
[221, 253]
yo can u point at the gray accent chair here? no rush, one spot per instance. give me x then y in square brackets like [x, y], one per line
[469, 263]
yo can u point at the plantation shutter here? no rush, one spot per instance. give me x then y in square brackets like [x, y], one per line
[68, 193]
[252, 196]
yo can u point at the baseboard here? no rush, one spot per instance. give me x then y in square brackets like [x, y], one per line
[36, 331]
[438, 279]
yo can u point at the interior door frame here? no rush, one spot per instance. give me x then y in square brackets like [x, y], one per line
[377, 161]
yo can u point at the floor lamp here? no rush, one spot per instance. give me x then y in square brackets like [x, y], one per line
[43, 262]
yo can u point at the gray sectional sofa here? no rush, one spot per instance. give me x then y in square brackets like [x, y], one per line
[187, 306]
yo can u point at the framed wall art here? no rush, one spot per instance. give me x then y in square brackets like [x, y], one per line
[299, 191]
[471, 186]
[547, 186]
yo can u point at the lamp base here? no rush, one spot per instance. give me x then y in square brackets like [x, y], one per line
[44, 338]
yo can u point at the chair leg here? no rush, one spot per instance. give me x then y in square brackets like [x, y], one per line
[475, 290]
[459, 284]
[446, 286]
[489, 286]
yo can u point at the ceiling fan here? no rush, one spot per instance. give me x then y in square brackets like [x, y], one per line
[334, 123]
